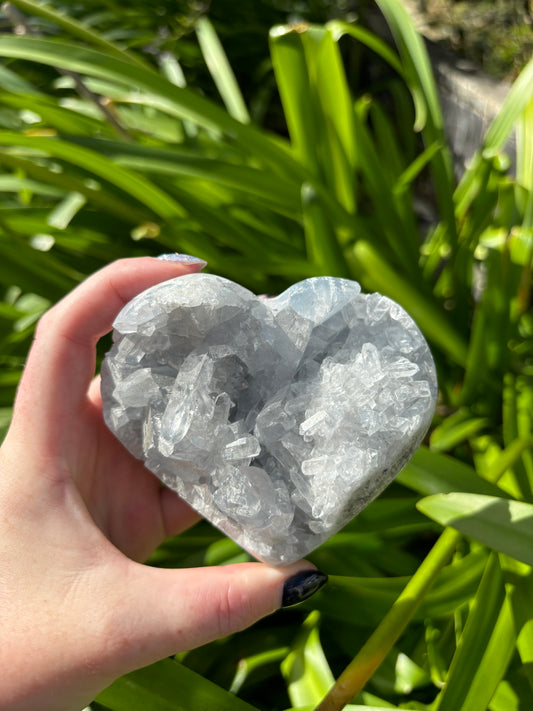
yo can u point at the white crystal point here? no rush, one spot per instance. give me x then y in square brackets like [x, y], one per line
[277, 419]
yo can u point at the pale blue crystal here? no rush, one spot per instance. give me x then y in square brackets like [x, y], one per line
[278, 419]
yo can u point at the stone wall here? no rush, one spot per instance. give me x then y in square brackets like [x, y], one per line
[470, 98]
[470, 101]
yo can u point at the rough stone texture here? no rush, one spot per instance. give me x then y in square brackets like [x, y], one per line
[470, 98]
[277, 419]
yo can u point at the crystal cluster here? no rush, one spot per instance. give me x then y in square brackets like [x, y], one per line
[277, 419]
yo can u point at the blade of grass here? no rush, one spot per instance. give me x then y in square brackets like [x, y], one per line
[373, 597]
[181, 102]
[519, 579]
[431, 473]
[217, 220]
[61, 216]
[273, 190]
[518, 425]
[76, 29]
[32, 270]
[514, 106]
[368, 659]
[455, 431]
[129, 181]
[419, 77]
[321, 242]
[169, 686]
[132, 213]
[506, 526]
[508, 458]
[249, 665]
[524, 162]
[305, 669]
[58, 117]
[484, 649]
[388, 144]
[11, 81]
[336, 147]
[292, 77]
[338, 28]
[221, 71]
[13, 183]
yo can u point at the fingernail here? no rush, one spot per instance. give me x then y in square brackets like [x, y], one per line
[301, 586]
[182, 259]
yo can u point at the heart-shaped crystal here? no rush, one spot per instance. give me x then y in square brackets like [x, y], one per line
[277, 419]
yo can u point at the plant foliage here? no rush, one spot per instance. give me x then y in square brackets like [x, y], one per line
[108, 150]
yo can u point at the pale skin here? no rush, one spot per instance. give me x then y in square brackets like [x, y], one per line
[78, 515]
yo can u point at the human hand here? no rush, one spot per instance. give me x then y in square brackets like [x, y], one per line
[77, 515]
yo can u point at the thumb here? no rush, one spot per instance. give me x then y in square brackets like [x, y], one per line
[163, 611]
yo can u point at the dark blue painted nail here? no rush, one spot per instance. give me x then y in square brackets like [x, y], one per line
[301, 586]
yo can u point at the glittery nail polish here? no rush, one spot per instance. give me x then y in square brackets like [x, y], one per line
[182, 259]
[301, 586]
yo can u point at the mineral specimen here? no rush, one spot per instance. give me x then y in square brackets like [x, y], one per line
[277, 419]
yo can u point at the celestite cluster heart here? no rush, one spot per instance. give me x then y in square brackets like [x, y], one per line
[277, 419]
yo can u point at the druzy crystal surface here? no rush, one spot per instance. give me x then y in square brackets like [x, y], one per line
[277, 419]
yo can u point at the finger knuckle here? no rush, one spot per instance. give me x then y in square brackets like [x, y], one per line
[233, 611]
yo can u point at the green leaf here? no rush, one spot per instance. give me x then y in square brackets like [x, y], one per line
[521, 600]
[484, 649]
[129, 181]
[11, 81]
[321, 242]
[350, 707]
[384, 514]
[372, 598]
[417, 67]
[432, 473]
[419, 76]
[399, 674]
[339, 28]
[292, 77]
[130, 211]
[409, 175]
[524, 153]
[518, 424]
[76, 29]
[514, 105]
[249, 665]
[6, 414]
[168, 686]
[180, 102]
[12, 183]
[393, 230]
[306, 669]
[220, 69]
[454, 431]
[60, 118]
[279, 194]
[336, 146]
[34, 271]
[507, 459]
[508, 698]
[62, 214]
[505, 526]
